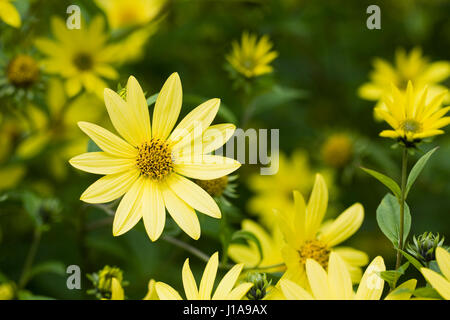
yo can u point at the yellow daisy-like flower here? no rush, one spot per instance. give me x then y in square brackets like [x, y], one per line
[9, 13]
[336, 284]
[440, 282]
[308, 238]
[125, 13]
[252, 57]
[408, 67]
[271, 245]
[81, 56]
[411, 117]
[294, 173]
[150, 164]
[224, 290]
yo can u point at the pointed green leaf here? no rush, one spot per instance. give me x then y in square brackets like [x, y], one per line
[417, 169]
[388, 182]
[388, 218]
[411, 259]
[152, 99]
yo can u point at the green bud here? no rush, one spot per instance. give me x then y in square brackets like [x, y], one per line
[424, 247]
[102, 281]
[260, 285]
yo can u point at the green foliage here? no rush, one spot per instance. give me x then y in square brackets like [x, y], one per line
[388, 182]
[392, 276]
[417, 169]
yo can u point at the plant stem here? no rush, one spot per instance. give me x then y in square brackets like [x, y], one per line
[402, 206]
[25, 276]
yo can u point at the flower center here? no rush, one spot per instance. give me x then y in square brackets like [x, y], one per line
[154, 159]
[411, 125]
[22, 71]
[83, 61]
[214, 187]
[315, 249]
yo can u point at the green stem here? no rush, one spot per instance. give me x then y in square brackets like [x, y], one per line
[402, 206]
[25, 276]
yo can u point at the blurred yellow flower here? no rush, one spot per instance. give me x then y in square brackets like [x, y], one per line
[6, 291]
[81, 56]
[440, 282]
[150, 166]
[408, 67]
[411, 117]
[252, 57]
[293, 173]
[337, 150]
[9, 13]
[336, 284]
[125, 13]
[22, 71]
[224, 290]
[271, 245]
[307, 237]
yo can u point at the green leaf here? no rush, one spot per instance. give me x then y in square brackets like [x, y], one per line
[392, 276]
[417, 169]
[426, 292]
[411, 259]
[152, 99]
[388, 218]
[55, 267]
[92, 147]
[388, 182]
[249, 236]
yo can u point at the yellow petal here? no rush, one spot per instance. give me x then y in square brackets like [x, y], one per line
[243, 254]
[293, 291]
[339, 278]
[167, 107]
[318, 280]
[240, 291]
[9, 14]
[438, 282]
[193, 195]
[110, 187]
[208, 167]
[443, 261]
[371, 285]
[116, 290]
[129, 211]
[153, 210]
[400, 294]
[190, 287]
[344, 226]
[389, 134]
[317, 206]
[138, 105]
[108, 142]
[208, 278]
[166, 292]
[182, 213]
[101, 163]
[151, 293]
[227, 283]
[216, 136]
[352, 256]
[299, 216]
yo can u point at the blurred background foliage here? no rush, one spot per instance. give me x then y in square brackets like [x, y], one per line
[325, 53]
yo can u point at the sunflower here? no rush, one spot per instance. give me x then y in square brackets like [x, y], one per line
[150, 166]
[336, 284]
[9, 14]
[252, 57]
[81, 56]
[411, 117]
[224, 290]
[308, 238]
[440, 282]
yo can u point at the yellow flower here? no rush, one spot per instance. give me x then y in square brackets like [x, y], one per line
[9, 14]
[308, 238]
[80, 56]
[22, 71]
[293, 173]
[337, 150]
[413, 67]
[224, 290]
[249, 254]
[149, 165]
[411, 117]
[252, 57]
[117, 292]
[7, 291]
[440, 282]
[336, 284]
[124, 13]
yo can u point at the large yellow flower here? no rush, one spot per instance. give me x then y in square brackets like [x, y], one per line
[81, 56]
[252, 57]
[411, 117]
[336, 284]
[308, 238]
[9, 13]
[224, 290]
[408, 67]
[440, 282]
[151, 164]
[294, 173]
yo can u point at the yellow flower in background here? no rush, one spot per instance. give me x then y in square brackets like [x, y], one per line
[337, 150]
[81, 56]
[440, 282]
[7, 291]
[336, 284]
[307, 237]
[252, 57]
[150, 164]
[294, 173]
[125, 13]
[408, 67]
[9, 13]
[22, 71]
[412, 117]
[271, 245]
[226, 289]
